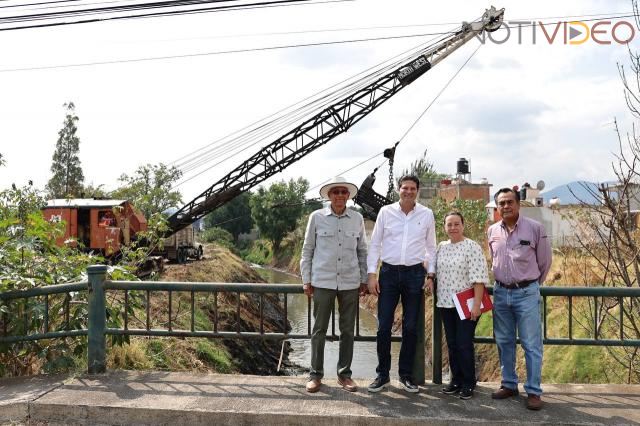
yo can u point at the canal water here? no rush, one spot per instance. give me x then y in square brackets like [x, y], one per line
[365, 358]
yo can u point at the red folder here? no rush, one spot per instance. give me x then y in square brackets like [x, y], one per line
[464, 302]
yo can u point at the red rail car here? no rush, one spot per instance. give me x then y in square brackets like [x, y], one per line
[96, 224]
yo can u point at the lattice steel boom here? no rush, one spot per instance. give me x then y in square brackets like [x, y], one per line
[326, 125]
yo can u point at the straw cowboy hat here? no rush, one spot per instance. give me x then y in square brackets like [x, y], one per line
[338, 181]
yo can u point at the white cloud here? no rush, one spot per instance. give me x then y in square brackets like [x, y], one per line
[520, 112]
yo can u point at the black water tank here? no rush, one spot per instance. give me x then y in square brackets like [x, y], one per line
[463, 166]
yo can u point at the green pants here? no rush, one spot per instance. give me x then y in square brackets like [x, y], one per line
[323, 300]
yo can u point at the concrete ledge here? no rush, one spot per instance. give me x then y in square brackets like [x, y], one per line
[17, 393]
[123, 397]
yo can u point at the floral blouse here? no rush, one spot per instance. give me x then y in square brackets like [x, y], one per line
[458, 266]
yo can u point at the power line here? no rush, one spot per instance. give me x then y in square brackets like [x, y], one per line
[412, 125]
[39, 4]
[128, 7]
[267, 48]
[143, 6]
[312, 107]
[348, 170]
[220, 52]
[439, 93]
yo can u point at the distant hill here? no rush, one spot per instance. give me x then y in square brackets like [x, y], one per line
[573, 193]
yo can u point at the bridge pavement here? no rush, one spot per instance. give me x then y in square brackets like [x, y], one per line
[128, 397]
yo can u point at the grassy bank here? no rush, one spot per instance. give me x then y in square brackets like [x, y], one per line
[198, 354]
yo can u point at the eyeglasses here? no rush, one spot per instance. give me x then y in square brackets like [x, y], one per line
[339, 192]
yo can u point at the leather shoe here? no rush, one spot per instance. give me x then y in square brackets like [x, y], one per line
[504, 393]
[313, 385]
[534, 402]
[347, 384]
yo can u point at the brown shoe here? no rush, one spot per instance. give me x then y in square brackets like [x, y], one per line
[534, 402]
[347, 384]
[313, 385]
[504, 393]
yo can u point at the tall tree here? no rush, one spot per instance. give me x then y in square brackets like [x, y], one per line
[277, 209]
[149, 188]
[235, 216]
[67, 173]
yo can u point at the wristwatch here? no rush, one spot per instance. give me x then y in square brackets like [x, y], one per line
[432, 276]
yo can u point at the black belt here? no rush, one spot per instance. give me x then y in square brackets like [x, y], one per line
[520, 284]
[402, 267]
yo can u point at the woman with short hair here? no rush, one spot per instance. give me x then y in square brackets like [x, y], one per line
[460, 265]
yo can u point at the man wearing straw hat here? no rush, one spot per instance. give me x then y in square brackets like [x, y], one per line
[334, 265]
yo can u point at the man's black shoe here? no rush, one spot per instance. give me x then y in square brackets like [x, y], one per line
[451, 389]
[378, 384]
[408, 385]
[466, 393]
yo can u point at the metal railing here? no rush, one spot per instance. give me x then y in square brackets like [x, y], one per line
[97, 330]
[594, 293]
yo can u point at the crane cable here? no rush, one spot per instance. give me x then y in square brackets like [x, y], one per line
[187, 161]
[412, 125]
[285, 120]
[362, 81]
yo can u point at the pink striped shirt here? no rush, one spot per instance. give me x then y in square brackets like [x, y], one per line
[522, 255]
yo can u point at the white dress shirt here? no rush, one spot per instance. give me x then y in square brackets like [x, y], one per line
[403, 239]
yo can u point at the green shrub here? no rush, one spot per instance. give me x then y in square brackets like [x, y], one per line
[211, 354]
[217, 235]
[260, 252]
[156, 350]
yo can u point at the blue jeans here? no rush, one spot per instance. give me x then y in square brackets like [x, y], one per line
[404, 283]
[518, 309]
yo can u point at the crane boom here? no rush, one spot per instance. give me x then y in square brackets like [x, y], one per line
[326, 125]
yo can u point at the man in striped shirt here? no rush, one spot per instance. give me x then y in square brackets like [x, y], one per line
[521, 259]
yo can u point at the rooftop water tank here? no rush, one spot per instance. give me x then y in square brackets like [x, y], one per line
[462, 166]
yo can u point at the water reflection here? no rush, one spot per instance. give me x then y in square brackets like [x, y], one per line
[365, 358]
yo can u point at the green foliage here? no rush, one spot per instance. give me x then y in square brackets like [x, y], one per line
[277, 209]
[218, 235]
[235, 216]
[291, 249]
[475, 217]
[67, 178]
[133, 256]
[259, 252]
[95, 191]
[156, 350]
[314, 204]
[149, 188]
[424, 170]
[213, 355]
[30, 257]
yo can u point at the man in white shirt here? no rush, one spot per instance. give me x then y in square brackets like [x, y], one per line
[334, 266]
[404, 239]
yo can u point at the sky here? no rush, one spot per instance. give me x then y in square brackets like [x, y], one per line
[518, 111]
